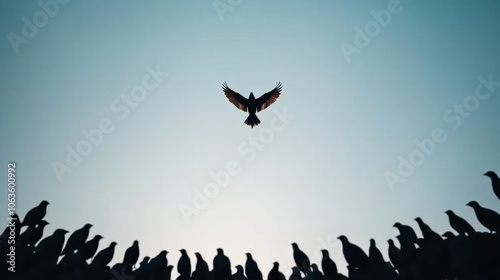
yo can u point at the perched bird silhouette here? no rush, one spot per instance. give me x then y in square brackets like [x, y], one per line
[88, 249]
[105, 255]
[328, 265]
[375, 257]
[184, 265]
[353, 255]
[77, 239]
[239, 275]
[315, 273]
[495, 182]
[301, 259]
[35, 215]
[49, 248]
[201, 272]
[428, 233]
[394, 254]
[487, 217]
[295, 274]
[222, 266]
[275, 273]
[158, 266]
[33, 234]
[459, 224]
[252, 104]
[131, 256]
[406, 232]
[252, 269]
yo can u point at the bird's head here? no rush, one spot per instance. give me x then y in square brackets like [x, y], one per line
[248, 255]
[251, 97]
[294, 245]
[113, 244]
[97, 237]
[276, 264]
[324, 252]
[239, 268]
[87, 226]
[342, 238]
[396, 225]
[448, 234]
[372, 241]
[183, 251]
[44, 203]
[491, 174]
[391, 242]
[473, 204]
[220, 251]
[43, 223]
[419, 220]
[449, 212]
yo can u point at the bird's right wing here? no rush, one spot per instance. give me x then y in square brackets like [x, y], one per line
[268, 98]
[237, 99]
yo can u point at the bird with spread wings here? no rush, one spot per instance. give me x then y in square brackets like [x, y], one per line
[252, 105]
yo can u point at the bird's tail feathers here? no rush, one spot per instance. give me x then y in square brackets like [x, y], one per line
[252, 120]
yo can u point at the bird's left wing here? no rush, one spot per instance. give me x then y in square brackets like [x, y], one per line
[268, 98]
[237, 99]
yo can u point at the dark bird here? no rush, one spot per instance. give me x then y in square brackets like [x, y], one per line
[131, 256]
[315, 273]
[275, 273]
[105, 255]
[301, 259]
[184, 265]
[354, 255]
[448, 235]
[88, 249]
[394, 254]
[428, 234]
[33, 234]
[158, 266]
[375, 257]
[201, 270]
[239, 275]
[222, 266]
[459, 224]
[487, 217]
[50, 247]
[328, 266]
[252, 105]
[495, 182]
[295, 274]
[77, 239]
[35, 215]
[406, 232]
[252, 269]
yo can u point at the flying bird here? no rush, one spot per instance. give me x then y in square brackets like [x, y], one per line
[252, 104]
[495, 182]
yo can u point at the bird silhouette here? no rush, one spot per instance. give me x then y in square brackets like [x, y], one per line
[487, 217]
[275, 273]
[184, 265]
[201, 270]
[301, 259]
[49, 248]
[239, 274]
[328, 265]
[77, 239]
[33, 234]
[88, 249]
[35, 215]
[459, 224]
[252, 269]
[131, 256]
[406, 232]
[354, 255]
[495, 182]
[222, 266]
[105, 255]
[252, 105]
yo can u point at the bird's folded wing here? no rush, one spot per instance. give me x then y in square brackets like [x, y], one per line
[268, 98]
[237, 99]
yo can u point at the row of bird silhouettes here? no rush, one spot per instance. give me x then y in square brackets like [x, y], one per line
[466, 255]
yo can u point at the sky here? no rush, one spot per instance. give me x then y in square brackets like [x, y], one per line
[113, 111]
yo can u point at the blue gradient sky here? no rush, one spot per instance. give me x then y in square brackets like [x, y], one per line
[320, 177]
